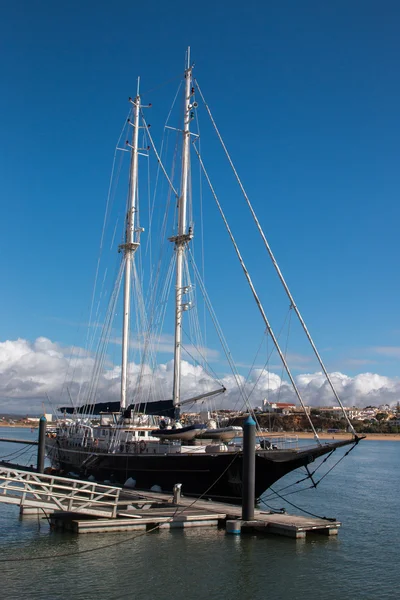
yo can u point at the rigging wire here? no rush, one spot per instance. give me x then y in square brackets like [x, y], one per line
[224, 344]
[256, 298]
[267, 361]
[161, 85]
[201, 223]
[310, 475]
[336, 464]
[109, 200]
[206, 366]
[280, 275]
[158, 156]
[123, 541]
[211, 373]
[314, 484]
[94, 314]
[154, 328]
[285, 352]
[104, 338]
[265, 333]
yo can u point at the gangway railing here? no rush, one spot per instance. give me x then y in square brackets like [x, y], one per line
[57, 493]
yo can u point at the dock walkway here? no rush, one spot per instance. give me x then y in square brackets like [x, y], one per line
[50, 493]
[146, 511]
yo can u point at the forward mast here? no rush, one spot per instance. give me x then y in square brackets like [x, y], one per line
[132, 242]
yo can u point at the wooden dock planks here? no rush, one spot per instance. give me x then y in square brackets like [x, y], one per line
[146, 511]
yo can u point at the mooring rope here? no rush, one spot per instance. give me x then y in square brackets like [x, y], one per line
[307, 512]
[119, 542]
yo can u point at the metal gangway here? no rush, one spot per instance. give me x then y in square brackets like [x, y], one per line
[51, 493]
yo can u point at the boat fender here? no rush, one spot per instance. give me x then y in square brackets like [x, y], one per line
[142, 446]
[130, 483]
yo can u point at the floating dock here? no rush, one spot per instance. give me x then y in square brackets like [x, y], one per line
[89, 507]
[148, 511]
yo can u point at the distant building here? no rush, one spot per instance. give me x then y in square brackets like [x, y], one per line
[283, 408]
[48, 416]
[337, 412]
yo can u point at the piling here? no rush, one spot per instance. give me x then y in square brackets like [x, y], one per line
[249, 468]
[41, 444]
[233, 526]
[177, 493]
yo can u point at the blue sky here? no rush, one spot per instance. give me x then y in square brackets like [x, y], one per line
[306, 95]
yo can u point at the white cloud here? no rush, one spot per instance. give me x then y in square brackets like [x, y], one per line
[165, 343]
[31, 370]
[392, 351]
[361, 390]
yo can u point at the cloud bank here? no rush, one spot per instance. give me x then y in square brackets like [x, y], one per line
[31, 371]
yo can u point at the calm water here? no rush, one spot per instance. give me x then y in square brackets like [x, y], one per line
[361, 563]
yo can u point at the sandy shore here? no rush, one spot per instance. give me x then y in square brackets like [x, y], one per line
[388, 437]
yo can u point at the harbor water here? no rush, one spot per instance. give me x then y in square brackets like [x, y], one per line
[360, 563]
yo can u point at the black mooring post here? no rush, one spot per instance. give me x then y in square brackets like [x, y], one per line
[249, 469]
[41, 444]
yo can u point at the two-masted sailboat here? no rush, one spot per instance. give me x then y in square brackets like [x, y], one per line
[151, 443]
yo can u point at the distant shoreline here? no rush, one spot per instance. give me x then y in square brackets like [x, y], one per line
[19, 425]
[381, 437]
[302, 435]
[306, 435]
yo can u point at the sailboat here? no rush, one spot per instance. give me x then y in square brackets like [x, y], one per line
[155, 443]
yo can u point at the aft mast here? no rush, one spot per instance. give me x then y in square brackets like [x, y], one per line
[181, 240]
[131, 245]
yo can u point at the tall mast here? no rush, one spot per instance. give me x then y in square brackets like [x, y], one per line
[130, 246]
[183, 237]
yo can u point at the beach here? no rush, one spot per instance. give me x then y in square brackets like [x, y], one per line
[376, 437]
